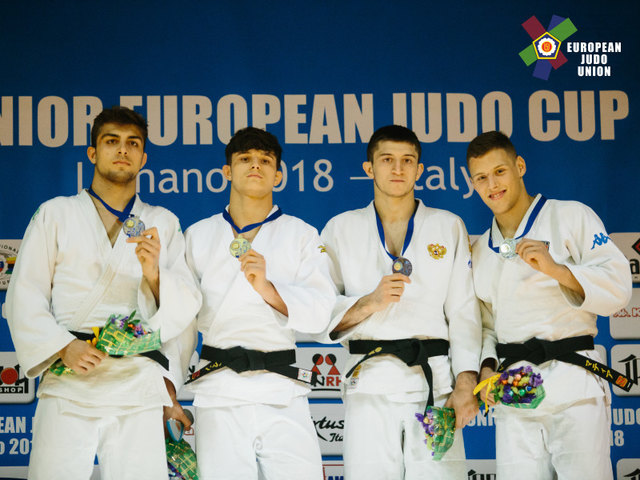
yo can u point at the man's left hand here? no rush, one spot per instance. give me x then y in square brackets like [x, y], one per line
[462, 399]
[148, 253]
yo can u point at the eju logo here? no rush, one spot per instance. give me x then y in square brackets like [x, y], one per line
[545, 46]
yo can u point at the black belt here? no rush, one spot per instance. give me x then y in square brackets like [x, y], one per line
[241, 359]
[411, 351]
[154, 355]
[539, 351]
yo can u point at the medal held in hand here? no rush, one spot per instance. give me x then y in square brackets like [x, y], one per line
[133, 226]
[239, 246]
[401, 265]
[508, 248]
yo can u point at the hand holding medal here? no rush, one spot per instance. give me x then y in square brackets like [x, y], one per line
[509, 247]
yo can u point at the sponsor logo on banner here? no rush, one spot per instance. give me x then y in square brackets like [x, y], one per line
[15, 387]
[327, 363]
[626, 360]
[625, 323]
[328, 418]
[8, 254]
[481, 469]
[628, 469]
[544, 49]
[629, 244]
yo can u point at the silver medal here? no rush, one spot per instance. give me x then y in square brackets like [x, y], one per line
[133, 226]
[508, 248]
[402, 265]
[239, 246]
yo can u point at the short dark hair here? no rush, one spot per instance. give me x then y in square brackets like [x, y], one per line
[393, 133]
[252, 138]
[485, 142]
[121, 116]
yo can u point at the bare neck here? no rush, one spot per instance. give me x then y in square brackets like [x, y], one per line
[394, 209]
[246, 210]
[115, 195]
[508, 222]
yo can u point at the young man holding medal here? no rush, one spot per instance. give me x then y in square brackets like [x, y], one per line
[84, 258]
[408, 315]
[543, 272]
[263, 276]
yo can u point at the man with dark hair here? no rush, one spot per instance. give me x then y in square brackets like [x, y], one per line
[409, 316]
[77, 266]
[263, 276]
[543, 272]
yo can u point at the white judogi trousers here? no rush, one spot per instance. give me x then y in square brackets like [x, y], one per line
[280, 440]
[573, 442]
[129, 447]
[383, 440]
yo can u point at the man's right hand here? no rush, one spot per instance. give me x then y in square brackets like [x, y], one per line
[389, 290]
[81, 356]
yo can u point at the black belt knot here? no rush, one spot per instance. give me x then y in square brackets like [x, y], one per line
[539, 351]
[241, 359]
[412, 351]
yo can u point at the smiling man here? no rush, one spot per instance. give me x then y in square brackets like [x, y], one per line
[403, 272]
[544, 271]
[76, 267]
[263, 276]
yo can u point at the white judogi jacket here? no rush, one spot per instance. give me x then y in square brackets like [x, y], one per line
[439, 303]
[63, 255]
[234, 314]
[519, 302]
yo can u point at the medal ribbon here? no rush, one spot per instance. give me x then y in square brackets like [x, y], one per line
[270, 218]
[122, 215]
[407, 236]
[527, 227]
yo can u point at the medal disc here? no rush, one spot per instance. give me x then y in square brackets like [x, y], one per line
[239, 246]
[402, 265]
[508, 248]
[133, 226]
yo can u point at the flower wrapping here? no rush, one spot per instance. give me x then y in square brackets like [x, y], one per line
[181, 460]
[439, 425]
[519, 387]
[120, 336]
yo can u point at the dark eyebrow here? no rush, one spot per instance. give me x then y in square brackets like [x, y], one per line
[109, 134]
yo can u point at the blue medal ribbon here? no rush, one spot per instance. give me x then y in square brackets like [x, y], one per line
[248, 228]
[122, 215]
[527, 227]
[407, 236]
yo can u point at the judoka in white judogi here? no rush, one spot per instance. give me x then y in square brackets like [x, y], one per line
[519, 303]
[64, 254]
[234, 314]
[439, 303]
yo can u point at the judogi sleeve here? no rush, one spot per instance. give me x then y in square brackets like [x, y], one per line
[596, 263]
[36, 334]
[311, 295]
[461, 308]
[489, 337]
[343, 302]
[180, 298]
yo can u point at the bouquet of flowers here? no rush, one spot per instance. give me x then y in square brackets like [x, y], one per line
[120, 336]
[181, 460]
[519, 387]
[439, 425]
